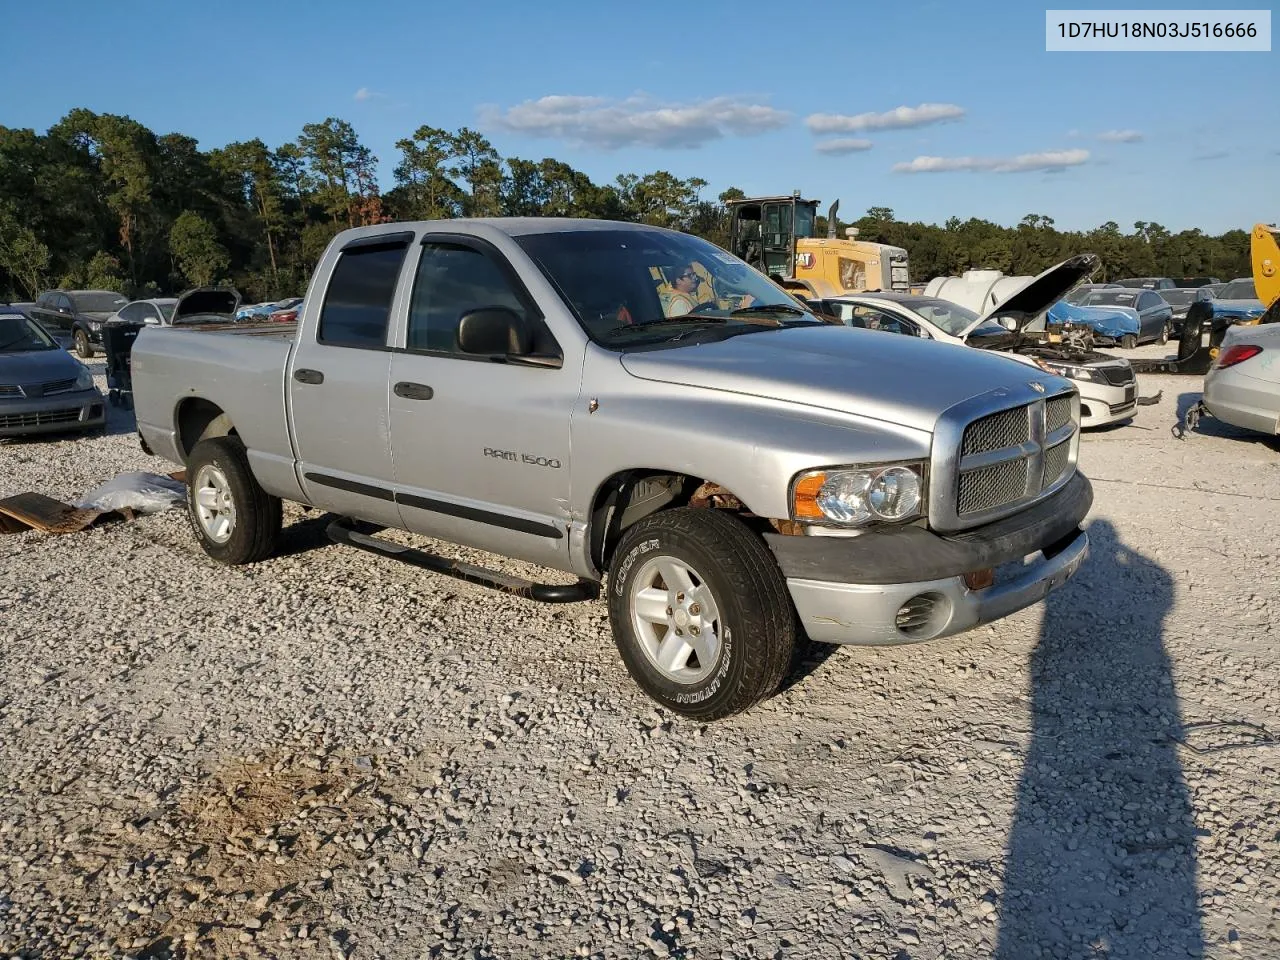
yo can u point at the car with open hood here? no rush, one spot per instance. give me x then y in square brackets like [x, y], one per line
[43, 389]
[1015, 328]
[561, 391]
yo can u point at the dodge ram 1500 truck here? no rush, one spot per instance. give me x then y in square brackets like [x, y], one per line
[626, 402]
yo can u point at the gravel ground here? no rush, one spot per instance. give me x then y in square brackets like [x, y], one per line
[329, 754]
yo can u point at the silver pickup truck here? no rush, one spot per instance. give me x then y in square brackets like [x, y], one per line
[602, 398]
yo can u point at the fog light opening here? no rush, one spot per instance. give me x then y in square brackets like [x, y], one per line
[923, 616]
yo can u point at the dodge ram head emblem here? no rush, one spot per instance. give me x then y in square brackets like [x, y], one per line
[1036, 385]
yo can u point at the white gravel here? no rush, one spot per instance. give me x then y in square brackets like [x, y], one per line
[329, 754]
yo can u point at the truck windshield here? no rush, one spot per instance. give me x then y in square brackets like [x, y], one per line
[633, 287]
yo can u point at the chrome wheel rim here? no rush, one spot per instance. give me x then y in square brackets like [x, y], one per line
[676, 619]
[215, 507]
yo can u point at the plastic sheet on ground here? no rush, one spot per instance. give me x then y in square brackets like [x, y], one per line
[138, 491]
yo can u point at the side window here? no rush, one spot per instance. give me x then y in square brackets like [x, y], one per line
[453, 279]
[1147, 302]
[357, 304]
[871, 319]
[132, 313]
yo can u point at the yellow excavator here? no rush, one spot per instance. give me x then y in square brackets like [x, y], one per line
[777, 236]
[1265, 254]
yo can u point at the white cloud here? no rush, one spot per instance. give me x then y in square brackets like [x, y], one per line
[897, 118]
[1047, 160]
[842, 145]
[1120, 136]
[636, 121]
[1212, 155]
[364, 94]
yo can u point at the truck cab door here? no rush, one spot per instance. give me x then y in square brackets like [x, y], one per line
[337, 383]
[480, 445]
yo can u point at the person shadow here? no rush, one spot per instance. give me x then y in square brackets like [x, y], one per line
[1102, 858]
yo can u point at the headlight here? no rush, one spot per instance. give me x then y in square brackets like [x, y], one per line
[1070, 371]
[95, 325]
[853, 496]
[85, 380]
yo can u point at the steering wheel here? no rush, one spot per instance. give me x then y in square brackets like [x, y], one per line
[708, 305]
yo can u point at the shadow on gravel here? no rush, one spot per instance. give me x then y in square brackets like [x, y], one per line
[1209, 426]
[305, 536]
[809, 656]
[1101, 859]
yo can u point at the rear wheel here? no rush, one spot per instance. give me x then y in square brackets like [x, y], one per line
[1129, 341]
[84, 348]
[700, 612]
[235, 520]
[1164, 334]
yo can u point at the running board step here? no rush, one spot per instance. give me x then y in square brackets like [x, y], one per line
[352, 533]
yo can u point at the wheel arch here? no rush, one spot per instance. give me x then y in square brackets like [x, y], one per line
[197, 419]
[633, 494]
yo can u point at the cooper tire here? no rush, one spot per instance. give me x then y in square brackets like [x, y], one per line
[1128, 341]
[235, 520]
[727, 601]
[84, 349]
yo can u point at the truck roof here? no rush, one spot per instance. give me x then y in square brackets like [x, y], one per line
[512, 226]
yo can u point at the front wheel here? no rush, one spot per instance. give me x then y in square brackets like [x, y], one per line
[84, 348]
[1129, 341]
[700, 612]
[235, 520]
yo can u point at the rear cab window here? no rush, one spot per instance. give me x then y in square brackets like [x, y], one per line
[356, 311]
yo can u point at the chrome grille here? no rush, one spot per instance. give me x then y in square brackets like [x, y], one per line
[1057, 413]
[990, 451]
[9, 390]
[994, 486]
[1056, 460]
[59, 386]
[1005, 429]
[1117, 375]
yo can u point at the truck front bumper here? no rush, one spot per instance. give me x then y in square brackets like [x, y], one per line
[853, 590]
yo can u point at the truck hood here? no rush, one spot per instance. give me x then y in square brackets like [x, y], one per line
[38, 366]
[206, 302]
[1041, 292]
[859, 372]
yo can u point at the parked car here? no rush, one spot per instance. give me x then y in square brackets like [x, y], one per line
[1242, 386]
[1181, 299]
[288, 312]
[734, 472]
[1155, 316]
[1215, 288]
[255, 311]
[1107, 385]
[1182, 283]
[79, 314]
[1238, 301]
[43, 389]
[157, 311]
[1145, 283]
[1108, 324]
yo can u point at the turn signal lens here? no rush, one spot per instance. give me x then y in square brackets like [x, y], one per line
[806, 496]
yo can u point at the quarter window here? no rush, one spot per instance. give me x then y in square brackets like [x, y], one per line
[453, 279]
[357, 305]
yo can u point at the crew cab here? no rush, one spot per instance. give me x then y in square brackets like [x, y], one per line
[734, 473]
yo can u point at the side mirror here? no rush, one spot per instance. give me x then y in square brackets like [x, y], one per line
[494, 331]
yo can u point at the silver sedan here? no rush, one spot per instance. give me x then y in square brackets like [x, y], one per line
[1243, 385]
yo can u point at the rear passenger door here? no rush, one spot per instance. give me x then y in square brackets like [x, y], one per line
[481, 446]
[337, 383]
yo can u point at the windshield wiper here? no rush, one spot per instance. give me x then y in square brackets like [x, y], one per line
[769, 308]
[683, 318]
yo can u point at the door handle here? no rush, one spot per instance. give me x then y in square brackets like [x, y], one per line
[308, 376]
[413, 391]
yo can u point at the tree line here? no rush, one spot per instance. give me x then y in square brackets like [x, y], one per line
[101, 201]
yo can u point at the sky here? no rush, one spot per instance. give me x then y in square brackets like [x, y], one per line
[934, 108]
